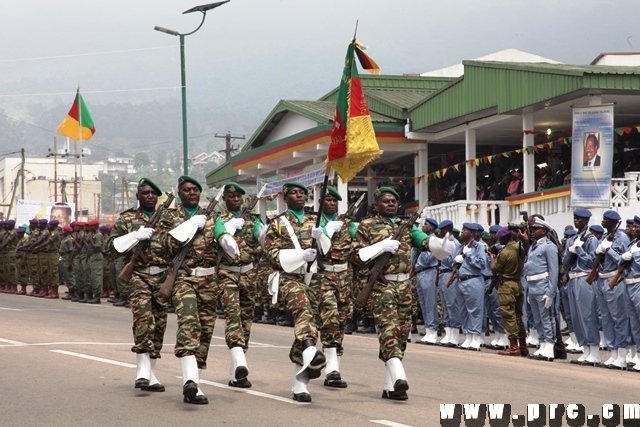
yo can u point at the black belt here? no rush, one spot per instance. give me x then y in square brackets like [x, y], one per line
[463, 278]
[446, 271]
[425, 269]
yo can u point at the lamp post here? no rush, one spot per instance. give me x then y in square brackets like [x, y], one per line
[203, 9]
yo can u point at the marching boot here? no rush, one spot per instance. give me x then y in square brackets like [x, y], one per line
[69, 296]
[33, 292]
[612, 358]
[114, 298]
[524, 352]
[104, 294]
[513, 349]
[454, 339]
[447, 336]
[349, 327]
[2, 288]
[503, 341]
[44, 290]
[532, 339]
[621, 360]
[299, 384]
[53, 293]
[547, 352]
[603, 342]
[476, 341]
[83, 297]
[190, 378]
[388, 391]
[594, 355]
[22, 291]
[154, 384]
[312, 359]
[271, 316]
[398, 376]
[583, 358]
[239, 371]
[143, 370]
[467, 341]
[333, 378]
[9, 289]
[430, 337]
[93, 298]
[631, 354]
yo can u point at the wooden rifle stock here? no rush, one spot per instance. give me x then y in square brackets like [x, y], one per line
[383, 259]
[127, 270]
[623, 266]
[597, 262]
[178, 259]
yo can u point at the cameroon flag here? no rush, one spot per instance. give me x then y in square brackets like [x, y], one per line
[78, 120]
[353, 140]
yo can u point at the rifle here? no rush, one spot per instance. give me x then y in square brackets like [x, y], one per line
[623, 266]
[139, 248]
[381, 262]
[572, 260]
[456, 268]
[246, 210]
[353, 208]
[597, 262]
[178, 259]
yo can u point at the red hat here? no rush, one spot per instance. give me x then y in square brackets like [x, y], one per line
[80, 224]
[93, 222]
[68, 229]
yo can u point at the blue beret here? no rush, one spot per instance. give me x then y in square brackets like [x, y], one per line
[629, 221]
[10, 222]
[21, 230]
[432, 222]
[33, 221]
[479, 227]
[494, 228]
[570, 232]
[596, 228]
[612, 215]
[471, 226]
[42, 221]
[636, 218]
[54, 222]
[445, 223]
[582, 213]
[504, 231]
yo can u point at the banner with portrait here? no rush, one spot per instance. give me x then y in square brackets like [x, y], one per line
[592, 156]
[29, 209]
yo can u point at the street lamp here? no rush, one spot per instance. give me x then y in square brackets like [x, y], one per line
[202, 8]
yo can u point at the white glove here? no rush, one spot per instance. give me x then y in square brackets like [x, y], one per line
[144, 233]
[627, 256]
[600, 249]
[547, 301]
[459, 259]
[309, 255]
[578, 243]
[229, 245]
[234, 224]
[466, 250]
[634, 249]
[199, 221]
[333, 227]
[606, 244]
[316, 232]
[449, 245]
[389, 245]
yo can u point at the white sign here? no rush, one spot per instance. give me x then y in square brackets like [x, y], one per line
[29, 209]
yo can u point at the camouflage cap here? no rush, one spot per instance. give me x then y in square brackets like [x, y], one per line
[233, 187]
[332, 191]
[385, 190]
[146, 181]
[291, 185]
[184, 179]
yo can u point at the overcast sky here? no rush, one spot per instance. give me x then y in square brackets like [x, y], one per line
[261, 51]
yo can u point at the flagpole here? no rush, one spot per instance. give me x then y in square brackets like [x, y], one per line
[323, 194]
[81, 149]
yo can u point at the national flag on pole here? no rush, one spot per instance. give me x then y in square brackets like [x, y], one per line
[353, 139]
[78, 120]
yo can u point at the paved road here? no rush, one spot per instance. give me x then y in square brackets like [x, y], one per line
[65, 364]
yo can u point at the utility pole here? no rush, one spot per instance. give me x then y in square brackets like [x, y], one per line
[55, 168]
[228, 147]
[22, 175]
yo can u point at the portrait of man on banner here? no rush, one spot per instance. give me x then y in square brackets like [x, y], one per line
[591, 148]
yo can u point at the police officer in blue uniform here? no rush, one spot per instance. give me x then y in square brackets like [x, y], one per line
[451, 310]
[631, 287]
[425, 271]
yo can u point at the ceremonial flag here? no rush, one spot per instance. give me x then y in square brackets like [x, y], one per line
[78, 120]
[353, 140]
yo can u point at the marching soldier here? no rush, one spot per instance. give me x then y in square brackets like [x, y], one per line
[611, 302]
[8, 247]
[578, 260]
[194, 295]
[22, 267]
[32, 258]
[451, 310]
[51, 249]
[631, 287]
[426, 272]
[95, 262]
[289, 251]
[391, 294]
[83, 281]
[66, 262]
[332, 286]
[149, 309]
[107, 283]
[237, 281]
[4, 285]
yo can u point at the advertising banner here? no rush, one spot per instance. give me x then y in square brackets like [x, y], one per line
[592, 156]
[28, 209]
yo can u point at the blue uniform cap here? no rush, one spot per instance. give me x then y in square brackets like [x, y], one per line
[582, 213]
[596, 228]
[570, 232]
[471, 226]
[431, 221]
[494, 228]
[479, 227]
[612, 215]
[445, 223]
[636, 218]
[629, 221]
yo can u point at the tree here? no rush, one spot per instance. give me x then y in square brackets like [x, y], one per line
[141, 159]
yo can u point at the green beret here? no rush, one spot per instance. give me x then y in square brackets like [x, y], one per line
[233, 187]
[331, 191]
[146, 181]
[291, 185]
[184, 179]
[382, 190]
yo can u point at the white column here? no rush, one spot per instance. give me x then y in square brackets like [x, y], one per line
[262, 203]
[343, 189]
[316, 197]
[470, 154]
[528, 160]
[421, 168]
[280, 205]
[371, 186]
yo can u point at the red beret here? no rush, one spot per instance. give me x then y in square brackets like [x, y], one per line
[68, 229]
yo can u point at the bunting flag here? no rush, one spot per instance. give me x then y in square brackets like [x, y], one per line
[353, 139]
[78, 120]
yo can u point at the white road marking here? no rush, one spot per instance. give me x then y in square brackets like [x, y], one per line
[389, 423]
[13, 343]
[258, 344]
[94, 358]
[10, 309]
[252, 392]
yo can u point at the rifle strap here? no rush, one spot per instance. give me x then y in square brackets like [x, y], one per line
[292, 233]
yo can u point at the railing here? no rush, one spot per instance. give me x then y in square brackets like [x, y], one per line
[484, 212]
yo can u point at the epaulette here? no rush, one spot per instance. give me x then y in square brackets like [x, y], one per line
[129, 210]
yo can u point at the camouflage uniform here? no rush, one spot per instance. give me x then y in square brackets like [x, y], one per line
[194, 298]
[239, 287]
[4, 283]
[34, 265]
[148, 307]
[11, 242]
[82, 281]
[78, 268]
[52, 249]
[22, 269]
[95, 265]
[296, 296]
[333, 288]
[43, 260]
[391, 302]
[65, 252]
